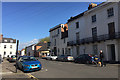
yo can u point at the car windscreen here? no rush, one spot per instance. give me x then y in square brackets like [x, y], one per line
[29, 59]
[13, 56]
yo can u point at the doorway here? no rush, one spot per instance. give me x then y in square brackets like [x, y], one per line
[55, 51]
[111, 52]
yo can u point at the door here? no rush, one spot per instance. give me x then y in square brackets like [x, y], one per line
[55, 51]
[77, 50]
[113, 52]
[111, 28]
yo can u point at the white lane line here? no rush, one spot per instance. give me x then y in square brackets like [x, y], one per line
[6, 72]
[46, 70]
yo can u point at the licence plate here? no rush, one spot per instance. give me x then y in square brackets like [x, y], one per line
[34, 67]
[14, 58]
[96, 58]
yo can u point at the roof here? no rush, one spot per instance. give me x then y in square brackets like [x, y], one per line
[82, 14]
[58, 26]
[26, 56]
[22, 49]
[30, 45]
[8, 40]
[44, 47]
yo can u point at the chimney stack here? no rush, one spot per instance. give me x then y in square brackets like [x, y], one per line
[1, 37]
[92, 5]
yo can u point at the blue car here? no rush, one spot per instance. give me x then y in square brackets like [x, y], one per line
[28, 63]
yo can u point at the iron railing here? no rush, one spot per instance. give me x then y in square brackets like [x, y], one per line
[92, 40]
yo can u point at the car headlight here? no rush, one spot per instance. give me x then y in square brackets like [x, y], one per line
[39, 64]
[26, 65]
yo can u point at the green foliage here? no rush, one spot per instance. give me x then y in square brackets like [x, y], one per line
[45, 39]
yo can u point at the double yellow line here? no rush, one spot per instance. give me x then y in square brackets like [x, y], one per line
[31, 76]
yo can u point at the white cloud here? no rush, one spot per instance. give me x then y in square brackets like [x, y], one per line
[23, 45]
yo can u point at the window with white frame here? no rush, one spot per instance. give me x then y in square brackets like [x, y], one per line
[11, 46]
[10, 52]
[5, 40]
[110, 12]
[11, 41]
[94, 18]
[4, 46]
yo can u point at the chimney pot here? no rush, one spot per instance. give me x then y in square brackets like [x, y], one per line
[1, 37]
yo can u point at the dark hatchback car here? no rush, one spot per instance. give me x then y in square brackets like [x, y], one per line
[65, 58]
[84, 58]
[12, 58]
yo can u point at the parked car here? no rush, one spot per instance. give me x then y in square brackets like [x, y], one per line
[12, 58]
[65, 58]
[51, 57]
[28, 63]
[84, 58]
[1, 59]
[48, 57]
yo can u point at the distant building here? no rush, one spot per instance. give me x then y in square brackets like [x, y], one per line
[30, 50]
[22, 52]
[38, 49]
[7, 46]
[58, 39]
[42, 49]
[96, 29]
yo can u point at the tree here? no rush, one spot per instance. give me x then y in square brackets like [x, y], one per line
[47, 39]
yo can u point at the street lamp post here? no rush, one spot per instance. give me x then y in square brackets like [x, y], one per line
[17, 53]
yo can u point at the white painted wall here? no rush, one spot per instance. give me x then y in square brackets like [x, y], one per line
[22, 52]
[59, 42]
[7, 49]
[86, 25]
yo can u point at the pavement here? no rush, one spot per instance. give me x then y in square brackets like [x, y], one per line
[57, 69]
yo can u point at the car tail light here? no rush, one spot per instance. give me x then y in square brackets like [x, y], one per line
[10, 58]
[90, 55]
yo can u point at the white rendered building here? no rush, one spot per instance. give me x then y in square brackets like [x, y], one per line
[22, 52]
[96, 29]
[58, 39]
[7, 46]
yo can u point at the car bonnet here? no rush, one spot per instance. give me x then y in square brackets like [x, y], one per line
[31, 62]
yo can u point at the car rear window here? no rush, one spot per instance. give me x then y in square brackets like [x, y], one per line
[13, 56]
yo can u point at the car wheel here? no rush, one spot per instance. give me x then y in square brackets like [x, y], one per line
[16, 66]
[87, 62]
[56, 59]
[22, 68]
[75, 61]
[50, 58]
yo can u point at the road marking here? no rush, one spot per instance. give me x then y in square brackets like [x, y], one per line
[31, 76]
[46, 70]
[59, 64]
[6, 72]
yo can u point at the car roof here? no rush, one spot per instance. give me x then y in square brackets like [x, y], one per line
[26, 56]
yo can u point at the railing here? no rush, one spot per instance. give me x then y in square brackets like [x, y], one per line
[97, 39]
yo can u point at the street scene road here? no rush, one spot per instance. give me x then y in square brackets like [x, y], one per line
[57, 69]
